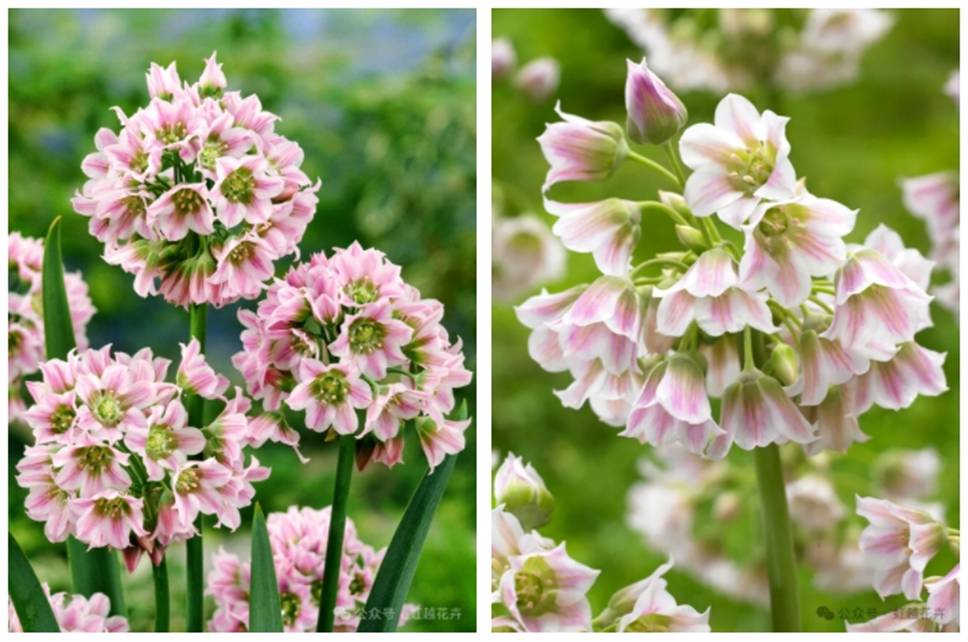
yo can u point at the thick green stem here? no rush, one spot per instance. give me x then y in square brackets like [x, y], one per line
[337, 528]
[194, 547]
[651, 164]
[160, 574]
[780, 561]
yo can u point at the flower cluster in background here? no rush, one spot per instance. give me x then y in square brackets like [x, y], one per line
[796, 331]
[343, 334]
[110, 464]
[897, 546]
[537, 80]
[733, 49]
[679, 488]
[298, 540]
[197, 195]
[524, 252]
[537, 587]
[75, 614]
[25, 322]
[935, 199]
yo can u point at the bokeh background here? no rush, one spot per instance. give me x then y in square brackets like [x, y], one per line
[384, 105]
[852, 143]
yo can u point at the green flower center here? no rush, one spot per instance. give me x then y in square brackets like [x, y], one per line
[316, 592]
[331, 387]
[366, 336]
[240, 253]
[187, 482]
[172, 133]
[536, 586]
[212, 150]
[780, 226]
[239, 185]
[187, 201]
[14, 339]
[358, 584]
[362, 291]
[107, 410]
[291, 608]
[161, 443]
[750, 169]
[94, 459]
[62, 419]
[112, 509]
[139, 163]
[134, 206]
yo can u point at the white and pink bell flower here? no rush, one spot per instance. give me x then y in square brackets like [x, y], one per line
[788, 242]
[609, 230]
[648, 607]
[655, 114]
[440, 437]
[894, 384]
[165, 441]
[545, 590]
[898, 544]
[711, 294]
[582, 150]
[826, 363]
[372, 340]
[877, 306]
[835, 420]
[538, 79]
[944, 597]
[934, 198]
[330, 394]
[195, 376]
[739, 161]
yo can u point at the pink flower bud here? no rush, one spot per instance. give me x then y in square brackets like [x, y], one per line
[582, 150]
[538, 79]
[655, 114]
[503, 58]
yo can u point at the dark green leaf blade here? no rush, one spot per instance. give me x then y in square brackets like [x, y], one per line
[95, 571]
[265, 612]
[400, 563]
[28, 597]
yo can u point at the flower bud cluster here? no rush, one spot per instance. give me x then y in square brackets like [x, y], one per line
[25, 320]
[298, 540]
[797, 332]
[537, 587]
[197, 191]
[114, 463]
[732, 49]
[345, 334]
[75, 614]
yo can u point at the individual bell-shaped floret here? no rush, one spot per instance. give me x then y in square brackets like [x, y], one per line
[522, 491]
[655, 114]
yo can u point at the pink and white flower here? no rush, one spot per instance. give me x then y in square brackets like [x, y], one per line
[609, 230]
[329, 394]
[108, 518]
[372, 340]
[243, 190]
[655, 114]
[582, 150]
[897, 382]
[739, 161]
[648, 607]
[943, 597]
[76, 613]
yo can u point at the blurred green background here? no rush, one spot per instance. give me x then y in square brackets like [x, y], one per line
[852, 144]
[383, 104]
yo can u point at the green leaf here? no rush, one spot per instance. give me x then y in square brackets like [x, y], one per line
[94, 571]
[265, 612]
[33, 607]
[396, 572]
[58, 330]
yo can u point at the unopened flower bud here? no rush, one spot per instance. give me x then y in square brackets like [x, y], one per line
[785, 364]
[522, 491]
[503, 58]
[675, 202]
[582, 150]
[691, 238]
[538, 79]
[655, 114]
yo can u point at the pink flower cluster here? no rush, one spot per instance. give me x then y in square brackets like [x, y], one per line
[797, 332]
[75, 613]
[112, 464]
[197, 191]
[25, 320]
[347, 340]
[898, 544]
[298, 539]
[537, 587]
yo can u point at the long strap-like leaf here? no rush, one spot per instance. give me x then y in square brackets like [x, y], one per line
[97, 570]
[28, 597]
[400, 563]
[265, 611]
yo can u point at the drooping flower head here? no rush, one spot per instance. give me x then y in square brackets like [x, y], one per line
[190, 194]
[347, 340]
